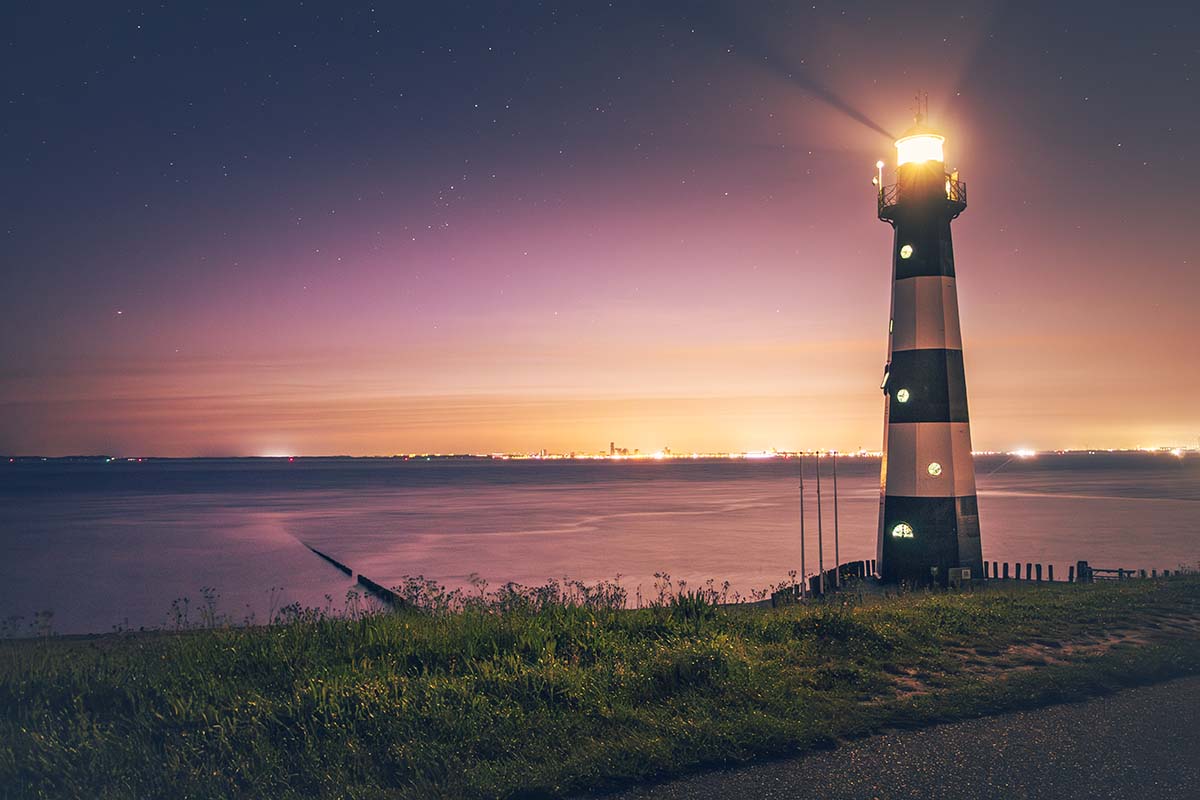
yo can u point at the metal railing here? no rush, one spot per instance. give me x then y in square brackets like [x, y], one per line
[889, 196]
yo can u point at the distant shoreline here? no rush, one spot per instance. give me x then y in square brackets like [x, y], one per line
[636, 457]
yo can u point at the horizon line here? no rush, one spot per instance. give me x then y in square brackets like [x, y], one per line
[748, 455]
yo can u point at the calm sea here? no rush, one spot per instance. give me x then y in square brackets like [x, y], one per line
[114, 544]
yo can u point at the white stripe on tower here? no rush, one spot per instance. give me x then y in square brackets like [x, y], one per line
[926, 314]
[929, 459]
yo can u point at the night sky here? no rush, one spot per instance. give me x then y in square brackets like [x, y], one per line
[321, 228]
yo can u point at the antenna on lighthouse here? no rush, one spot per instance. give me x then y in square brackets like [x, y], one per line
[921, 107]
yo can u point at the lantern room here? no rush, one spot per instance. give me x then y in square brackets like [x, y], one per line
[919, 146]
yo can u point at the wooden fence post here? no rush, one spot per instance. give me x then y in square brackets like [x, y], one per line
[1071, 574]
[1005, 570]
[1050, 572]
[1039, 573]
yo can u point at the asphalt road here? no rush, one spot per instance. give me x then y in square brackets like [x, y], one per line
[1141, 743]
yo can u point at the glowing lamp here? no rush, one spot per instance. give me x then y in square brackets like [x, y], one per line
[919, 148]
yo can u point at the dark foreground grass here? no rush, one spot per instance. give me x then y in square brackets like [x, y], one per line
[544, 698]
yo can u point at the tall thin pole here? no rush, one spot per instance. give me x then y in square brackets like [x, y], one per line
[803, 571]
[820, 533]
[837, 557]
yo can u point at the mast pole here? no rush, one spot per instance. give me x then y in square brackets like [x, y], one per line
[837, 557]
[803, 569]
[820, 532]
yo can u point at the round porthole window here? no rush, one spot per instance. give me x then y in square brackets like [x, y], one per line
[902, 395]
[934, 469]
[902, 530]
[906, 251]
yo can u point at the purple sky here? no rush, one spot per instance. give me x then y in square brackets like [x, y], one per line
[305, 229]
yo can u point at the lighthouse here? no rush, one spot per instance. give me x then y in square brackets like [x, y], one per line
[928, 515]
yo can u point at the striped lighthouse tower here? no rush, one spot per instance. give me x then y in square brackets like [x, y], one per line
[928, 517]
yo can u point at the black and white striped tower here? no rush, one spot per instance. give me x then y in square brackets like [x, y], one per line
[928, 517]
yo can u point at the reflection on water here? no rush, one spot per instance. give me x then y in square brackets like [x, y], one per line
[115, 544]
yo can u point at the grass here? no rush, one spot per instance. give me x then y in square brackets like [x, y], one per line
[545, 692]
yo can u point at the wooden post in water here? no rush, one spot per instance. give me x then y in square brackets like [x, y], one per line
[820, 532]
[837, 556]
[803, 570]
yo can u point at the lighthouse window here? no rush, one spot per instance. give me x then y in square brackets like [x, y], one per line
[934, 469]
[902, 530]
[906, 251]
[902, 395]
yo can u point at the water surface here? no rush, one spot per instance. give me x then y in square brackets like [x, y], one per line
[114, 544]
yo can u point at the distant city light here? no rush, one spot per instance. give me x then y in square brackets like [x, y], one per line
[1023, 452]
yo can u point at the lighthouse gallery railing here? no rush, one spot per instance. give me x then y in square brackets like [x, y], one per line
[889, 196]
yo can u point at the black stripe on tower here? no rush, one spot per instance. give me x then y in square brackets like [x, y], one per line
[932, 247]
[927, 386]
[924, 532]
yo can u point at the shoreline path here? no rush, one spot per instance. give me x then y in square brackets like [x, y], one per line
[1138, 743]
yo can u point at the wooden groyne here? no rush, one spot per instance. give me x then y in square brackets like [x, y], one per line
[331, 560]
[379, 591]
[376, 590]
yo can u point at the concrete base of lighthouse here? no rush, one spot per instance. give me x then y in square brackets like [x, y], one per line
[949, 539]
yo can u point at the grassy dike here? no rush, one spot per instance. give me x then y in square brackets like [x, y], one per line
[542, 697]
